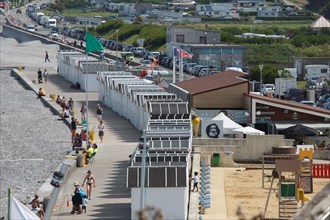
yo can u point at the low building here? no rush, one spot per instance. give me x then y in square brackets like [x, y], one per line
[218, 10]
[270, 114]
[250, 3]
[206, 48]
[270, 11]
[223, 90]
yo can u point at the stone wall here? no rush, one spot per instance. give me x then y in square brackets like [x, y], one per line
[250, 148]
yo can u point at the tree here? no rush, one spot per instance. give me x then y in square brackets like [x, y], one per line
[269, 73]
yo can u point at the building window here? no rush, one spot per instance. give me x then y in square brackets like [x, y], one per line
[180, 38]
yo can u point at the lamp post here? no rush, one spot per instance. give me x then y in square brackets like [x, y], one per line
[205, 37]
[117, 45]
[260, 68]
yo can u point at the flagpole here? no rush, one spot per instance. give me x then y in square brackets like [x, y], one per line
[86, 91]
[9, 195]
[180, 67]
[173, 66]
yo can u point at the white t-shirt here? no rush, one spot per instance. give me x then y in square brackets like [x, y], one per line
[195, 179]
[101, 127]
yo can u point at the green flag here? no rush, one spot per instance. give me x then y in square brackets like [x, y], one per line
[92, 44]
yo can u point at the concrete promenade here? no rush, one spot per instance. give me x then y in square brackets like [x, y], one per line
[110, 197]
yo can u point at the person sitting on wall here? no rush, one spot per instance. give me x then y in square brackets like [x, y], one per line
[41, 92]
[76, 86]
[77, 142]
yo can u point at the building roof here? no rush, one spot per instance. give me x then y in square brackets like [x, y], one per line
[143, 6]
[321, 22]
[213, 82]
[297, 105]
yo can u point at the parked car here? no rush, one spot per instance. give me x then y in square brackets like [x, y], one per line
[139, 51]
[152, 55]
[187, 65]
[31, 27]
[294, 94]
[53, 33]
[267, 89]
[146, 63]
[307, 102]
[127, 48]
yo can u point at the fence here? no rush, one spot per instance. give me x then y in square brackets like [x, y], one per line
[321, 170]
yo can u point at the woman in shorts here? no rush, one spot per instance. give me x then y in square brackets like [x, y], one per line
[101, 130]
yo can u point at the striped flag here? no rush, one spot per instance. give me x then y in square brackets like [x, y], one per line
[185, 54]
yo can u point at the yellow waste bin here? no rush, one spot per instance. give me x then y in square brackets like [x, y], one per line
[91, 135]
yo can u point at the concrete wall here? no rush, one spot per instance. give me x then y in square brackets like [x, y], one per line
[172, 201]
[250, 148]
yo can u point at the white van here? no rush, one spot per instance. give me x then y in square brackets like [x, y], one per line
[51, 22]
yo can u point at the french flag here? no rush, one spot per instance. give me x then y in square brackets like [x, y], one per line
[176, 52]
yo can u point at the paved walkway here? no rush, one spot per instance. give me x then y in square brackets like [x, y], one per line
[110, 198]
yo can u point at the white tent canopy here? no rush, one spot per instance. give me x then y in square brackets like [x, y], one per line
[249, 130]
[228, 124]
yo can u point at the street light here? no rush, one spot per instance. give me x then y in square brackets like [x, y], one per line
[117, 44]
[280, 73]
[205, 37]
[260, 68]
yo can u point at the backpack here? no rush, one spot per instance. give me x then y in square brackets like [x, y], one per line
[82, 193]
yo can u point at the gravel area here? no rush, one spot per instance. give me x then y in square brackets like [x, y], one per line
[32, 139]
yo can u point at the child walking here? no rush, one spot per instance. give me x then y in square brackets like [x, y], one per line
[84, 204]
[195, 182]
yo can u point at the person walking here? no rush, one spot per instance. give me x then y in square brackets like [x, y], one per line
[101, 131]
[70, 103]
[46, 56]
[39, 76]
[83, 112]
[90, 180]
[195, 182]
[77, 198]
[99, 112]
[45, 75]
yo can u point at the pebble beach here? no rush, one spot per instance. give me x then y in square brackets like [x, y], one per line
[33, 141]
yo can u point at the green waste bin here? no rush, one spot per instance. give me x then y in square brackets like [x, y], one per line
[216, 159]
[288, 190]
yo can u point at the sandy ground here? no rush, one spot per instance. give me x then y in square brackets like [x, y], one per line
[243, 189]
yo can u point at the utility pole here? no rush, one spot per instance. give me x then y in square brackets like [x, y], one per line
[260, 68]
[117, 45]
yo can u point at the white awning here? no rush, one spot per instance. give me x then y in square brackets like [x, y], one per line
[281, 126]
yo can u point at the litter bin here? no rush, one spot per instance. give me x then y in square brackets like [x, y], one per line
[91, 135]
[45, 203]
[216, 159]
[80, 160]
